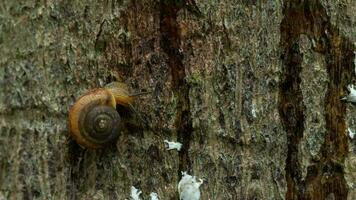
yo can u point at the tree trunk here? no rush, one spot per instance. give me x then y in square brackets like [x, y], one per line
[250, 88]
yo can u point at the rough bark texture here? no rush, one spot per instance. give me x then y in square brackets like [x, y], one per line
[251, 89]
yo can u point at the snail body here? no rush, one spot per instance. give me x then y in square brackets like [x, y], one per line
[120, 91]
[93, 119]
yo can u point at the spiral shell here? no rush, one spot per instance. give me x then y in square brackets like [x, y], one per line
[93, 119]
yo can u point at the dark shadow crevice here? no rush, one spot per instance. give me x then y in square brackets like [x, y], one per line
[170, 44]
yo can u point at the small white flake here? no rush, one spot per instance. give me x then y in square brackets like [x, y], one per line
[352, 96]
[188, 187]
[351, 133]
[135, 193]
[253, 111]
[173, 145]
[154, 196]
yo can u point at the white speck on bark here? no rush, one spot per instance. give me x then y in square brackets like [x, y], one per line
[351, 133]
[352, 95]
[173, 145]
[253, 111]
[188, 187]
[135, 193]
[154, 196]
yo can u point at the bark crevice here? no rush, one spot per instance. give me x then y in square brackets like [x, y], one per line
[170, 44]
[325, 177]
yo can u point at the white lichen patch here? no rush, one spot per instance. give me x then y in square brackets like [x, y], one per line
[351, 133]
[188, 187]
[173, 145]
[352, 95]
[154, 196]
[135, 193]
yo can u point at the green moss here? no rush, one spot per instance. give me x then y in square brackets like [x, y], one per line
[195, 79]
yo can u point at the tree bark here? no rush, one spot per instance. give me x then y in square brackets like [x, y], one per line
[251, 89]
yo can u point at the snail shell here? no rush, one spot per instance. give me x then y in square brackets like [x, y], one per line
[93, 119]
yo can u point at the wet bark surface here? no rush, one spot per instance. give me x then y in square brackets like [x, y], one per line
[251, 89]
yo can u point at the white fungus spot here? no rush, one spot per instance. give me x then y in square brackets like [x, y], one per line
[173, 145]
[188, 187]
[135, 193]
[352, 96]
[351, 133]
[154, 196]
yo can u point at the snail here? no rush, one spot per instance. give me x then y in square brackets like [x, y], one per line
[93, 119]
